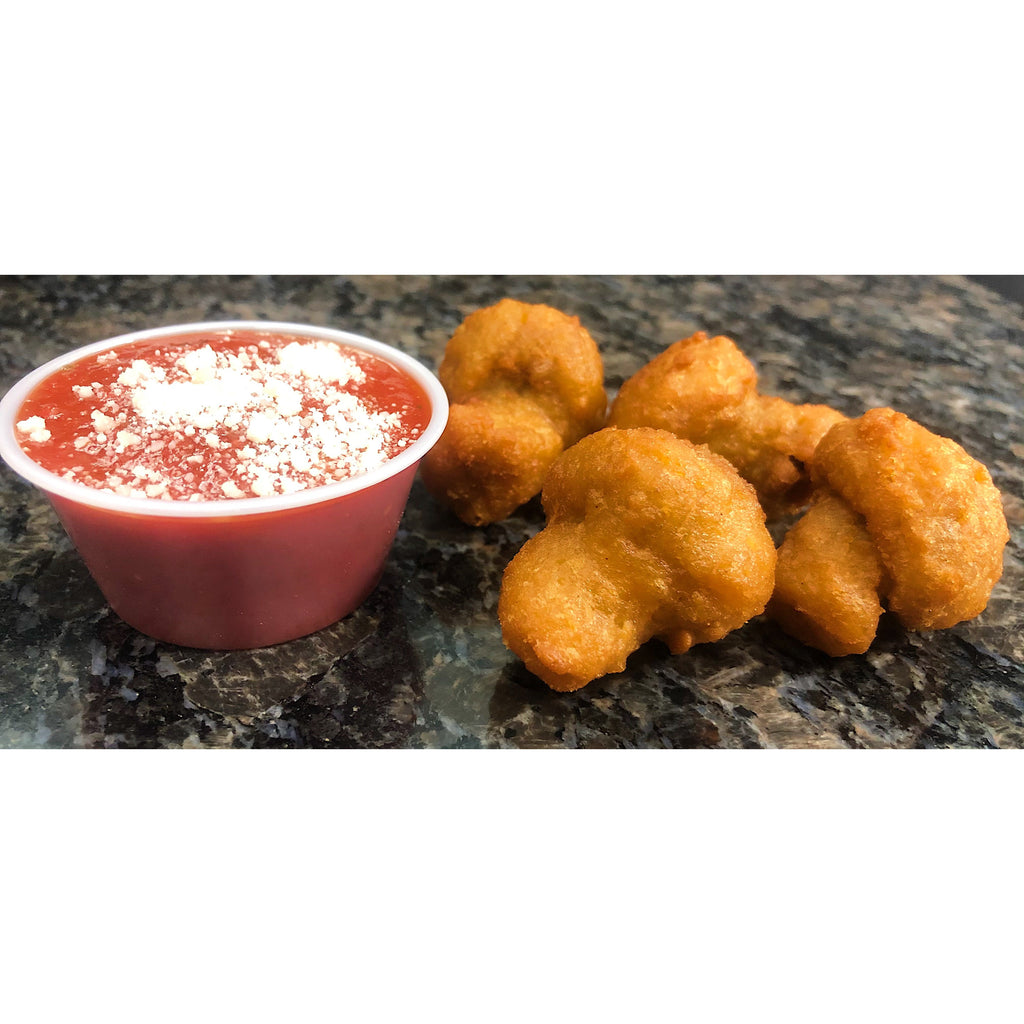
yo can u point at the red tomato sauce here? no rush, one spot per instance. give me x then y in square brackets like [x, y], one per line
[233, 413]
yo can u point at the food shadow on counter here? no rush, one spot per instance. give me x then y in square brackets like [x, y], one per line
[657, 702]
[759, 688]
[336, 687]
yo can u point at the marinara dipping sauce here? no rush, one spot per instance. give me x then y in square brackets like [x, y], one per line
[229, 485]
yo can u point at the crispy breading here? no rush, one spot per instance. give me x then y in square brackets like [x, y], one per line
[705, 390]
[828, 578]
[929, 512]
[525, 381]
[647, 535]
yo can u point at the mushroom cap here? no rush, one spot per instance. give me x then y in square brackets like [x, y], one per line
[647, 535]
[933, 513]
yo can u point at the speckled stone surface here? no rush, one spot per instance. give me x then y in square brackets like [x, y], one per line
[422, 664]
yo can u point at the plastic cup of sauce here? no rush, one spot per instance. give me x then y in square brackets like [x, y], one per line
[229, 485]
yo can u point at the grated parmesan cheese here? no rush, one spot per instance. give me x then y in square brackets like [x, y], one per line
[35, 428]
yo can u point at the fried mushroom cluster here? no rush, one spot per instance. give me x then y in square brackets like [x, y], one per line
[647, 535]
[656, 523]
[524, 381]
[705, 390]
[902, 518]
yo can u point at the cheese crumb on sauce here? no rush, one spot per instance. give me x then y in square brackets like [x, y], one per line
[35, 428]
[205, 423]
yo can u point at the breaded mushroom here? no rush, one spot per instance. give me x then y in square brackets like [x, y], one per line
[903, 519]
[524, 381]
[647, 535]
[705, 390]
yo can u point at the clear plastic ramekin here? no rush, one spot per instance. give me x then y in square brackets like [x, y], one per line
[235, 573]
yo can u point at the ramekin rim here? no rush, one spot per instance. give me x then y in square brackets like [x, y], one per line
[52, 484]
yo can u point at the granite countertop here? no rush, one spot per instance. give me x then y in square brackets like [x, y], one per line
[422, 664]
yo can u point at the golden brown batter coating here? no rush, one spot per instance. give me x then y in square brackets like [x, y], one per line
[705, 390]
[647, 536]
[524, 381]
[903, 512]
[828, 562]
